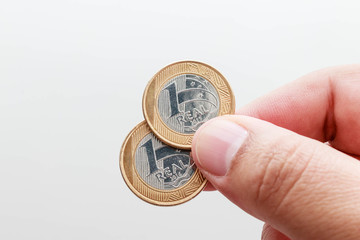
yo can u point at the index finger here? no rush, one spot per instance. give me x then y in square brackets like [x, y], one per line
[323, 105]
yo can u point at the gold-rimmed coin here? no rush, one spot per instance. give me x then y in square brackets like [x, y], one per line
[181, 97]
[156, 172]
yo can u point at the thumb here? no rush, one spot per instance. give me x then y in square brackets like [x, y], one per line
[302, 187]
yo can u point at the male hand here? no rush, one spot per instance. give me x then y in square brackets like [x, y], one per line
[291, 158]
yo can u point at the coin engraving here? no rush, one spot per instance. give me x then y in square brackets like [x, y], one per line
[186, 102]
[162, 166]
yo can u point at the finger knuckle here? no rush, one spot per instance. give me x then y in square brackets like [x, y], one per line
[282, 167]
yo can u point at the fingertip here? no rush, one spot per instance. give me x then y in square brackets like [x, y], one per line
[195, 141]
[216, 144]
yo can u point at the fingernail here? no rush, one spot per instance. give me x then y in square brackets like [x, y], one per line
[216, 144]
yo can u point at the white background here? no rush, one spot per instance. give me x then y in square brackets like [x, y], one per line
[72, 75]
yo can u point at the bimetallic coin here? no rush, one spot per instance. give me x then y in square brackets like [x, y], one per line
[181, 97]
[156, 172]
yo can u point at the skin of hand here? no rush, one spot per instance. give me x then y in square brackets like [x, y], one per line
[291, 158]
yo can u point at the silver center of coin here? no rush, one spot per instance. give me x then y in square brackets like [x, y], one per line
[162, 166]
[186, 102]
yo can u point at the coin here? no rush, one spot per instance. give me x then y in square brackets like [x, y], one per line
[181, 97]
[156, 172]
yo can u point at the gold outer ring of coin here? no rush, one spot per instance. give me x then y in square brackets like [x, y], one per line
[152, 90]
[144, 191]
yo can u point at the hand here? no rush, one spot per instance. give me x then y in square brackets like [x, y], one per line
[293, 160]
